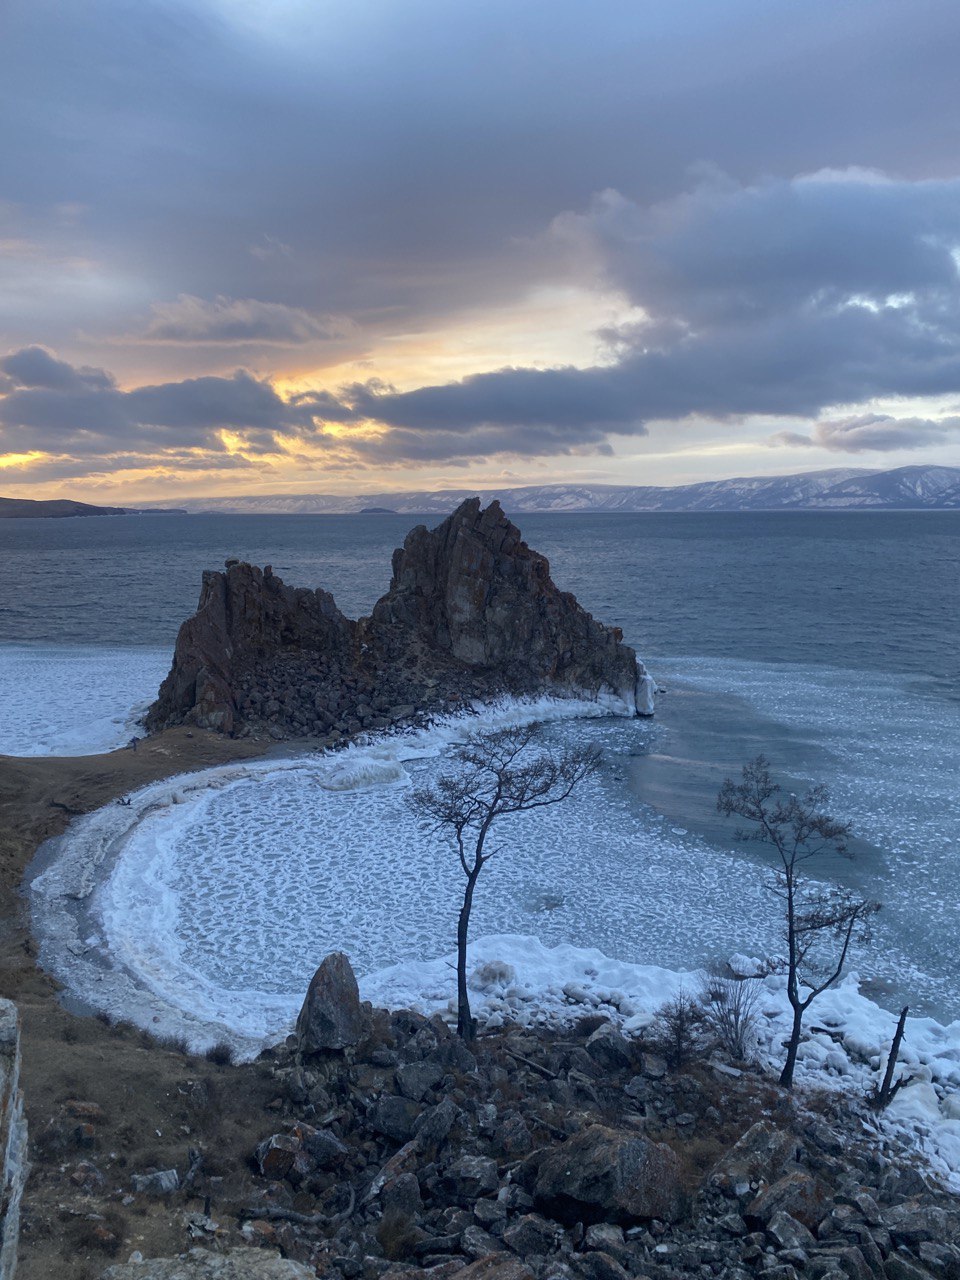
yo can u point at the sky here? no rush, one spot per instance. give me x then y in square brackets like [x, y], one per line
[276, 246]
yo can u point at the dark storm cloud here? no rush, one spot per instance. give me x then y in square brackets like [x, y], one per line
[348, 158]
[778, 298]
[94, 418]
[36, 367]
[873, 432]
[725, 252]
[285, 171]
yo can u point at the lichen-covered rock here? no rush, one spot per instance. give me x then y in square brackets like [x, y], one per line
[605, 1175]
[200, 1264]
[331, 1016]
[471, 612]
[762, 1155]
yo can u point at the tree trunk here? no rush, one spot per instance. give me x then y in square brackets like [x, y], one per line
[888, 1090]
[465, 1024]
[786, 1075]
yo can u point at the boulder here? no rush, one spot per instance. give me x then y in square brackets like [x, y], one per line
[610, 1049]
[532, 1234]
[162, 1183]
[914, 1222]
[787, 1232]
[394, 1117]
[496, 1266]
[470, 1177]
[416, 1079]
[763, 1154]
[605, 1175]
[798, 1194]
[331, 1016]
[275, 1155]
[200, 1264]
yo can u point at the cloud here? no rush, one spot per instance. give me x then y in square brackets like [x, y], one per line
[271, 247]
[36, 367]
[728, 252]
[782, 297]
[55, 407]
[187, 129]
[877, 432]
[239, 322]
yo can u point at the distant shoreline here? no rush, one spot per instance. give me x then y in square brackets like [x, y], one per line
[66, 509]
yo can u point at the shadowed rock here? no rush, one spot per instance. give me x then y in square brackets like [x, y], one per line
[471, 612]
[604, 1175]
[331, 1016]
[244, 615]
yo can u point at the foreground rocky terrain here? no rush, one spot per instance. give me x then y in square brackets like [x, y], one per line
[471, 612]
[379, 1145]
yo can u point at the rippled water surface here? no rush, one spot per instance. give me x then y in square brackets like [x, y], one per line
[843, 589]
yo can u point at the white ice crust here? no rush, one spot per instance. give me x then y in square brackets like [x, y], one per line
[74, 701]
[646, 689]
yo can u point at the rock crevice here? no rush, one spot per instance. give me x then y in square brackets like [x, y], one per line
[471, 612]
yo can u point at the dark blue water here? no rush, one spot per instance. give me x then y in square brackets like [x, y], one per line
[854, 590]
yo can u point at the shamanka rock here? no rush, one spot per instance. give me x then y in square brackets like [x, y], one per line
[471, 612]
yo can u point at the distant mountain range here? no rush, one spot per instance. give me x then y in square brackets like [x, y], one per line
[841, 489]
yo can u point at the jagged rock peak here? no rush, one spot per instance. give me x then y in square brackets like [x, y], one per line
[244, 614]
[471, 612]
[473, 589]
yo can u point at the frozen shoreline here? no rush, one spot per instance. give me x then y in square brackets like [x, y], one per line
[515, 977]
[79, 884]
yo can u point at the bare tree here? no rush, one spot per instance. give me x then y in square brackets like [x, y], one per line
[816, 914]
[881, 1097]
[495, 775]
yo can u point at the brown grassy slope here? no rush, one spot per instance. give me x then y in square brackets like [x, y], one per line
[137, 1088]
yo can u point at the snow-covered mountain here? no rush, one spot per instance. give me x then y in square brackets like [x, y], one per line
[843, 488]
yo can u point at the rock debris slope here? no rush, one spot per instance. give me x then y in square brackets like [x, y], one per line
[471, 612]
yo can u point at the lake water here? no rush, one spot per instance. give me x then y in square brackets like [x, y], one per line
[830, 641]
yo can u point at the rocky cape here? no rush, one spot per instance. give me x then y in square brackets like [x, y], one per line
[471, 613]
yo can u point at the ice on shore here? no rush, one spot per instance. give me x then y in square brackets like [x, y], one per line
[202, 908]
[74, 700]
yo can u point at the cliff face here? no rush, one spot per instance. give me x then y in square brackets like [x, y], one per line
[471, 611]
[246, 617]
[472, 589]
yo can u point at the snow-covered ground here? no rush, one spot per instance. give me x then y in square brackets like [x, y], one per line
[517, 979]
[73, 700]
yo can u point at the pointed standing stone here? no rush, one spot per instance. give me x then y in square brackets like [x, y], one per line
[331, 1017]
